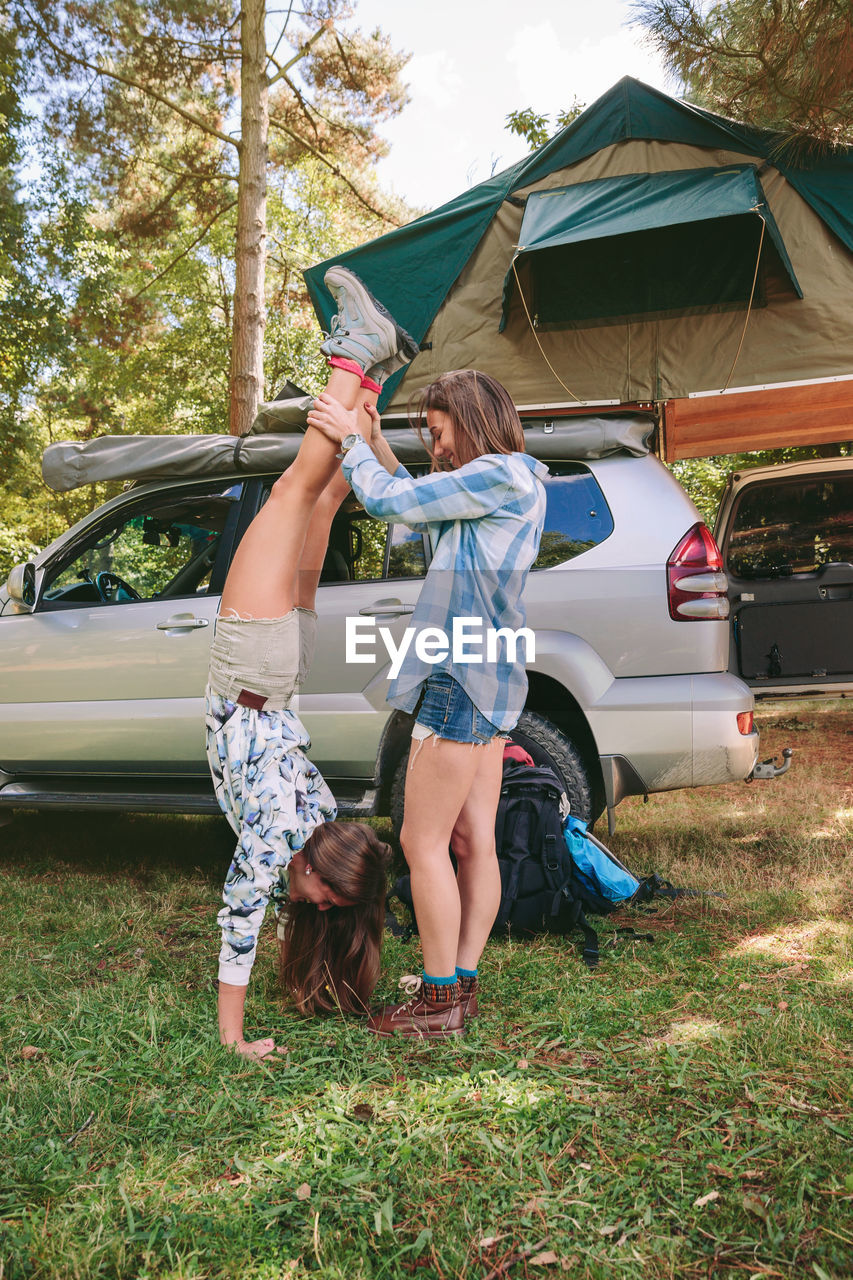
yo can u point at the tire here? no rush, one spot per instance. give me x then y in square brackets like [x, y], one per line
[547, 745]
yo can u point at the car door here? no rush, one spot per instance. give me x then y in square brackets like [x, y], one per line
[788, 554]
[107, 674]
[367, 594]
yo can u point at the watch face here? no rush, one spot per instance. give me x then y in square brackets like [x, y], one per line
[350, 440]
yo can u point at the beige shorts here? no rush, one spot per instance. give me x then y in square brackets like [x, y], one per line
[266, 657]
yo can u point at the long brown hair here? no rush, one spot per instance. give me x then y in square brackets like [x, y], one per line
[481, 412]
[329, 960]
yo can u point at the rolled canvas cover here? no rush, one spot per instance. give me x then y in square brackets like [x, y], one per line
[71, 463]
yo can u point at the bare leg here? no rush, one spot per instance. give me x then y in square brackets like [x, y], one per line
[473, 843]
[317, 538]
[448, 910]
[262, 580]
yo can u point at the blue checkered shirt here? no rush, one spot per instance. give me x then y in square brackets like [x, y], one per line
[485, 520]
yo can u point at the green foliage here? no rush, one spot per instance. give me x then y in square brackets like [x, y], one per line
[705, 478]
[780, 64]
[536, 129]
[683, 1110]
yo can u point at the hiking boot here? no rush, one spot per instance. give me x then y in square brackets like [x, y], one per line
[468, 988]
[363, 330]
[380, 372]
[420, 1017]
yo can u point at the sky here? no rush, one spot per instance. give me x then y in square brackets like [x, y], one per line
[473, 61]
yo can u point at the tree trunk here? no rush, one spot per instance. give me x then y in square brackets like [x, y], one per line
[247, 347]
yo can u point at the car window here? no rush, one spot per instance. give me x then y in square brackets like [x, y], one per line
[791, 526]
[406, 554]
[162, 547]
[577, 516]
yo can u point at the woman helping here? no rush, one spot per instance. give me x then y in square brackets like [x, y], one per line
[484, 506]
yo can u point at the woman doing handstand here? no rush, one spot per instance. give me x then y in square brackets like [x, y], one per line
[327, 879]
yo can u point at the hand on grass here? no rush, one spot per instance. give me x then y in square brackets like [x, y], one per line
[331, 418]
[256, 1050]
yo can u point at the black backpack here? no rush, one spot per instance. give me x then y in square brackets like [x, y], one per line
[541, 891]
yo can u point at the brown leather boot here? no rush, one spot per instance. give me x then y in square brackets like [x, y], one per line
[419, 1017]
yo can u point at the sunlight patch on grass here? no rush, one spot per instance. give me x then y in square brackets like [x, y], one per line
[810, 940]
[691, 1030]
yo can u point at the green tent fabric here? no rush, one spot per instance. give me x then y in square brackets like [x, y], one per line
[414, 268]
[648, 244]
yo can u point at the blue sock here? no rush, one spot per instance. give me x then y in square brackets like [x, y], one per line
[439, 982]
[465, 973]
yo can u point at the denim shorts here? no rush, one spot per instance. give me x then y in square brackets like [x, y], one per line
[448, 712]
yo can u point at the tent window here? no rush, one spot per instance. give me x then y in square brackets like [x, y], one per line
[648, 246]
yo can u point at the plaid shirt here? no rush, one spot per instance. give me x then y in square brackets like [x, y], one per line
[485, 520]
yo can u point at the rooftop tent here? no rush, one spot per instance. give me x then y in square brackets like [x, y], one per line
[651, 301]
[646, 245]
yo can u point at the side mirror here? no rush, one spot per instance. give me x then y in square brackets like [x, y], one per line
[21, 585]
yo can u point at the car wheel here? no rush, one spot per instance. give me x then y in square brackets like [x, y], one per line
[547, 745]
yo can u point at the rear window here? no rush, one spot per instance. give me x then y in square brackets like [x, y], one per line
[577, 517]
[791, 526]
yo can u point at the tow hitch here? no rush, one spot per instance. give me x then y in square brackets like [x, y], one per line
[770, 769]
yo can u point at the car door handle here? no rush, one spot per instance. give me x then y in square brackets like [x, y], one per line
[386, 609]
[183, 622]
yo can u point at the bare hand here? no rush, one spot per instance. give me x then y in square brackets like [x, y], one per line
[331, 418]
[256, 1050]
[375, 424]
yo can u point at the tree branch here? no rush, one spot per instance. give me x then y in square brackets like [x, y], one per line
[132, 83]
[300, 53]
[303, 142]
[183, 252]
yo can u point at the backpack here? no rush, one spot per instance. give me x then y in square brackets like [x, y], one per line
[545, 863]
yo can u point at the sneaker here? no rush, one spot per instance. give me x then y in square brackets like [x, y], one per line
[363, 330]
[419, 1017]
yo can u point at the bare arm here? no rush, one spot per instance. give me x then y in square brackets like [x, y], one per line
[232, 1000]
[382, 450]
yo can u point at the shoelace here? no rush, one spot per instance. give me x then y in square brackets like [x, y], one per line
[336, 329]
[410, 983]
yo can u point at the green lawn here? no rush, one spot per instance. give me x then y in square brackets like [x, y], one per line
[683, 1110]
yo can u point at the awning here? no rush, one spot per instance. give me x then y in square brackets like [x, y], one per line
[648, 245]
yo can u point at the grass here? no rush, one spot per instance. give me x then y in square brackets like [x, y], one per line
[683, 1110]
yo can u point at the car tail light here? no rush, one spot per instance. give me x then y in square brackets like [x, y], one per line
[696, 583]
[745, 720]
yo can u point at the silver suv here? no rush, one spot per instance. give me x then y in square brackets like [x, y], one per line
[104, 639]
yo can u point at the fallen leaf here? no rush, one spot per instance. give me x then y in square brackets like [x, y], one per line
[532, 1205]
[582, 1164]
[622, 1239]
[522, 1064]
[361, 1111]
[235, 1179]
[569, 1264]
[751, 1173]
[488, 1242]
[719, 1171]
[752, 1204]
[607, 1231]
[546, 1259]
[303, 1191]
[743, 986]
[783, 1005]
[31, 1051]
[707, 1199]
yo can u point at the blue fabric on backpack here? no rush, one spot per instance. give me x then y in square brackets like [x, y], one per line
[597, 868]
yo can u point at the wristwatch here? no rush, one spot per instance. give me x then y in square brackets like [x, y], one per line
[348, 442]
